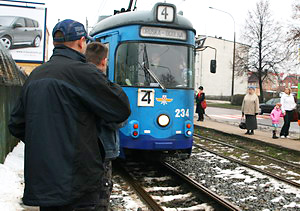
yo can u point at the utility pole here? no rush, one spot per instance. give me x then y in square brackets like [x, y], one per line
[87, 24]
[233, 59]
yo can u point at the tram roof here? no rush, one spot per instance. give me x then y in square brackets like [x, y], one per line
[140, 18]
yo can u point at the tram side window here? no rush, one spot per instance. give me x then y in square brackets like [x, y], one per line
[126, 64]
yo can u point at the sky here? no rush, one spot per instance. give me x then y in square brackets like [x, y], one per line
[206, 21]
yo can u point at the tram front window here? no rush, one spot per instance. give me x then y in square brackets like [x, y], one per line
[172, 65]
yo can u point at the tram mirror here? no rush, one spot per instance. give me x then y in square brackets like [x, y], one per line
[213, 66]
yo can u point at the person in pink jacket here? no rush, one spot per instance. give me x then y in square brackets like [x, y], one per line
[275, 116]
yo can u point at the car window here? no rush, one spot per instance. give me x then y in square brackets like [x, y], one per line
[270, 102]
[36, 24]
[29, 23]
[276, 100]
[20, 21]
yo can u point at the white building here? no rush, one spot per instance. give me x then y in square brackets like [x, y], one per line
[218, 85]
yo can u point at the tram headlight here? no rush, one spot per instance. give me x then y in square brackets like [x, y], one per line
[163, 120]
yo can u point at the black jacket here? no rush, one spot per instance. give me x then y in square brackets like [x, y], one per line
[199, 99]
[56, 118]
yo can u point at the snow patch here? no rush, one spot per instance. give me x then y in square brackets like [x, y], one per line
[11, 180]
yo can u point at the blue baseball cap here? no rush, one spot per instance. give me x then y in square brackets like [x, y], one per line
[72, 30]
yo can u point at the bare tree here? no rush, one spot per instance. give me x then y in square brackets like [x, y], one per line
[293, 38]
[264, 40]
[295, 29]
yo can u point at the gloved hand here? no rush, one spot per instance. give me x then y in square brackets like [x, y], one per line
[256, 114]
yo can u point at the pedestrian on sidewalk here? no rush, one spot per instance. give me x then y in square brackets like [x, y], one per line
[275, 116]
[56, 116]
[287, 106]
[250, 109]
[201, 104]
[108, 133]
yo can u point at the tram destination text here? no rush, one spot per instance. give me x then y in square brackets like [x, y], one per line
[158, 32]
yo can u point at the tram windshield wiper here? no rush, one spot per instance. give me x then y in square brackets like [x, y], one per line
[145, 66]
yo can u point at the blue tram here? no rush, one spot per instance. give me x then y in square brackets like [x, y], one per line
[151, 55]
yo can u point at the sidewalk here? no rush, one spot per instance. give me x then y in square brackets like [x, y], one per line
[261, 134]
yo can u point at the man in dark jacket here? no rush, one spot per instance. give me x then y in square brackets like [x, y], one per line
[56, 118]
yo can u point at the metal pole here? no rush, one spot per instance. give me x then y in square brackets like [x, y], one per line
[233, 59]
[233, 68]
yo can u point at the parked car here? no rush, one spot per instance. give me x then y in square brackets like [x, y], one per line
[19, 31]
[269, 105]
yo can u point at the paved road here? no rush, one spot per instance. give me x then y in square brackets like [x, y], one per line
[232, 115]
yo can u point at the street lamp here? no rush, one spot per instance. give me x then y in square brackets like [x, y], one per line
[233, 60]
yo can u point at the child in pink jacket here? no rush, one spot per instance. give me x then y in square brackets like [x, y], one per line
[275, 116]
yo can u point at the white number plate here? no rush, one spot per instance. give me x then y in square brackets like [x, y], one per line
[146, 97]
[165, 13]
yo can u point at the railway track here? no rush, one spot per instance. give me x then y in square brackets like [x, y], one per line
[278, 169]
[163, 187]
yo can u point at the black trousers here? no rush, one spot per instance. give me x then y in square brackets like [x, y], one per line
[90, 202]
[287, 121]
[201, 113]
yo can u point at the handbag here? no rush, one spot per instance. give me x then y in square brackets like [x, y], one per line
[203, 104]
[242, 124]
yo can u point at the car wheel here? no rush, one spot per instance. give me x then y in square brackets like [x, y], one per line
[6, 41]
[36, 41]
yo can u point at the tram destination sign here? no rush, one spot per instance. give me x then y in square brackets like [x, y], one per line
[165, 33]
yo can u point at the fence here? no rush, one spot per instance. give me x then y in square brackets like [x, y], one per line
[11, 80]
[8, 96]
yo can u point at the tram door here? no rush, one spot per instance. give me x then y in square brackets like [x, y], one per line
[111, 42]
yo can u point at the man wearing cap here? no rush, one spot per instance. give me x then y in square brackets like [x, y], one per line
[56, 119]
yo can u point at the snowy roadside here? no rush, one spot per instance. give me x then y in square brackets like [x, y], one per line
[12, 180]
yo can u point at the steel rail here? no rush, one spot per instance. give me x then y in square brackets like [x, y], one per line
[250, 166]
[222, 202]
[150, 202]
[250, 151]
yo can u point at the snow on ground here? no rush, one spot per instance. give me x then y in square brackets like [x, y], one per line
[171, 198]
[11, 180]
[151, 189]
[203, 207]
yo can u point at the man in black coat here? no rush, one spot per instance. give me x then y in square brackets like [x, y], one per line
[56, 119]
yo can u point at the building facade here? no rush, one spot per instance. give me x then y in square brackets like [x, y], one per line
[218, 85]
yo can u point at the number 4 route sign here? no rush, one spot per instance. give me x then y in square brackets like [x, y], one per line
[165, 13]
[146, 97]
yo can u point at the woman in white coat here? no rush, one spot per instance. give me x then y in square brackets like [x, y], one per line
[287, 106]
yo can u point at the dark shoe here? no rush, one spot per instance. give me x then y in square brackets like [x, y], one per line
[251, 133]
[274, 135]
[247, 133]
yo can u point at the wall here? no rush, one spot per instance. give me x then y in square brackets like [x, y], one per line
[218, 85]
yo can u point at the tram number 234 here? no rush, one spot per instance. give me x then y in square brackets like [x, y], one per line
[182, 113]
